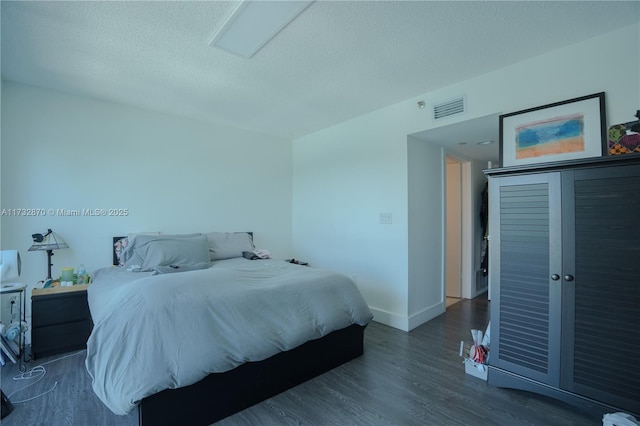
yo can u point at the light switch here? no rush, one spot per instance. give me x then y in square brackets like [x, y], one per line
[385, 218]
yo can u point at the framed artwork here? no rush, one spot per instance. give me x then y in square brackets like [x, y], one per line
[624, 138]
[566, 130]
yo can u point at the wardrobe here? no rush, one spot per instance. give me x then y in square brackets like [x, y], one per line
[564, 271]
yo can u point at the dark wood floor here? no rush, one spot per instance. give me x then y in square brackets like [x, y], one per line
[414, 378]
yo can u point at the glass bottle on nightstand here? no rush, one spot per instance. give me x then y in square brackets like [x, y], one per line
[82, 275]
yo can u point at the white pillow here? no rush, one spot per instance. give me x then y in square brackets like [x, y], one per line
[120, 246]
[227, 245]
[147, 252]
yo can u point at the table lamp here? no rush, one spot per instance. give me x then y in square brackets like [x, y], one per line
[49, 242]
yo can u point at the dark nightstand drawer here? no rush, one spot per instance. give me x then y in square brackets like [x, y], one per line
[59, 308]
[61, 320]
[55, 339]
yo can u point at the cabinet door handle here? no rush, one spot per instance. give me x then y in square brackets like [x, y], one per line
[568, 277]
[555, 277]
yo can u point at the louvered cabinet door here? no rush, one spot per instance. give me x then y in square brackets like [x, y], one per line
[525, 251]
[601, 312]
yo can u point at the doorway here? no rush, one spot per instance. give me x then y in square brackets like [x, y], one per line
[458, 235]
[427, 152]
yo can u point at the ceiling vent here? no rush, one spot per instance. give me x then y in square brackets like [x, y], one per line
[449, 108]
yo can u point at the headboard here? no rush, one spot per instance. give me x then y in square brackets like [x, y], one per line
[116, 239]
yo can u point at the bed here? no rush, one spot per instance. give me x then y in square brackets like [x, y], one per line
[188, 330]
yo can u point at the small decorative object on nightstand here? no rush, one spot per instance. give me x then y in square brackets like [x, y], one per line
[61, 320]
[82, 275]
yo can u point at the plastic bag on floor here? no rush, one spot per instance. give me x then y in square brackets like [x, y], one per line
[476, 356]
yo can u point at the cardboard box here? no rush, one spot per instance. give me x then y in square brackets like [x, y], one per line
[474, 369]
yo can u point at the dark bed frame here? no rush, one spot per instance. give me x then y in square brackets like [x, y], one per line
[220, 395]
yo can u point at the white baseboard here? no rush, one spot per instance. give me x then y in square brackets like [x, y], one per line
[426, 315]
[392, 320]
[407, 323]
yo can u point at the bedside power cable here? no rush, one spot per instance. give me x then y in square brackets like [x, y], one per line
[38, 372]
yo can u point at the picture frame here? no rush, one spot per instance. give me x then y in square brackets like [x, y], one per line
[566, 130]
[624, 138]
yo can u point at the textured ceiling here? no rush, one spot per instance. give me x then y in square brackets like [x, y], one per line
[337, 60]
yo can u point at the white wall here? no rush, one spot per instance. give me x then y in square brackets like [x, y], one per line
[174, 175]
[453, 203]
[344, 176]
[426, 193]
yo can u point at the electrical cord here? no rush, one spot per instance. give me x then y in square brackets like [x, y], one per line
[38, 372]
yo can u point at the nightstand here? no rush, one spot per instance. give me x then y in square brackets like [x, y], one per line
[60, 319]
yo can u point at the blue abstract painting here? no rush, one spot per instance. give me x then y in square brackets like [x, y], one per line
[557, 135]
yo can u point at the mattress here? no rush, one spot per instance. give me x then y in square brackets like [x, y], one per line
[156, 332]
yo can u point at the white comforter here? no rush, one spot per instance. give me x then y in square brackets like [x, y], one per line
[153, 332]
